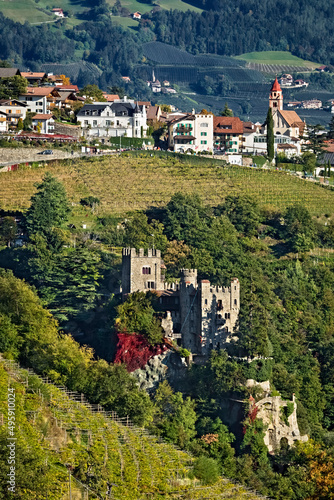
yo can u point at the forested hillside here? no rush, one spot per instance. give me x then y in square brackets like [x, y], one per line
[232, 28]
[239, 27]
[281, 250]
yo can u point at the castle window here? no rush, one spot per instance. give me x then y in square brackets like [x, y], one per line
[150, 285]
[206, 302]
[219, 304]
[146, 270]
[235, 302]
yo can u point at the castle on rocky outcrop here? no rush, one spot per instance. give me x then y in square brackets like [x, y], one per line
[198, 315]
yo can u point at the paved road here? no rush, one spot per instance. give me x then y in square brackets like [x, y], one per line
[11, 156]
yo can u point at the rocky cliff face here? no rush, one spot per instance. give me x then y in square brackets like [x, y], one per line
[168, 365]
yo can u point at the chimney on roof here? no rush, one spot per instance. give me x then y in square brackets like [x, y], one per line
[193, 111]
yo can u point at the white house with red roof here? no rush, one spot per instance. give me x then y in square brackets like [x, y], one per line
[38, 99]
[191, 132]
[43, 123]
[58, 12]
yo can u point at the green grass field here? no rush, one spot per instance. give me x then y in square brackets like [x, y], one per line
[126, 22]
[141, 7]
[276, 57]
[29, 10]
[40, 12]
[126, 183]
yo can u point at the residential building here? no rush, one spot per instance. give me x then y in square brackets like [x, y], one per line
[34, 77]
[14, 110]
[228, 134]
[9, 72]
[67, 88]
[39, 99]
[3, 121]
[111, 97]
[121, 118]
[312, 104]
[136, 15]
[58, 12]
[199, 315]
[43, 123]
[192, 132]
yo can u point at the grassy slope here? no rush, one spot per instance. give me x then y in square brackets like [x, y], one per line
[136, 464]
[125, 184]
[276, 57]
[29, 10]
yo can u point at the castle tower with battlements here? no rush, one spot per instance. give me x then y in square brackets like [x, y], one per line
[141, 271]
[200, 315]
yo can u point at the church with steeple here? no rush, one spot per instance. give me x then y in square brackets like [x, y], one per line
[289, 128]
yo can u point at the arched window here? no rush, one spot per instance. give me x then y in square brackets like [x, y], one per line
[146, 270]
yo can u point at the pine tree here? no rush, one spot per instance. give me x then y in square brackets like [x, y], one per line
[270, 135]
[49, 206]
[226, 111]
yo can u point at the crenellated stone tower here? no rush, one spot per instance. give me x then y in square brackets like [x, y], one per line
[141, 271]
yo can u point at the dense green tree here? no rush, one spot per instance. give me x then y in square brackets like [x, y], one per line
[49, 206]
[206, 470]
[175, 416]
[140, 233]
[299, 228]
[309, 161]
[270, 135]
[314, 139]
[226, 111]
[8, 230]
[243, 212]
[137, 315]
[93, 93]
[12, 87]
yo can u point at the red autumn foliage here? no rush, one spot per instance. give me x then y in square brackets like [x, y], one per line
[252, 413]
[251, 416]
[134, 351]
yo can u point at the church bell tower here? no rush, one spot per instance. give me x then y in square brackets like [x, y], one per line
[276, 97]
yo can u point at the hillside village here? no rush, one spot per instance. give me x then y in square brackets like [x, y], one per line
[54, 109]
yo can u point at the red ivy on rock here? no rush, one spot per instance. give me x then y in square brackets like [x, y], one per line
[134, 351]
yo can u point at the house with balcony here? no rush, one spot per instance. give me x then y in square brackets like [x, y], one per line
[123, 117]
[228, 134]
[191, 132]
[13, 110]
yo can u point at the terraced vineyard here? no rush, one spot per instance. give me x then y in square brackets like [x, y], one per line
[127, 183]
[278, 68]
[88, 451]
